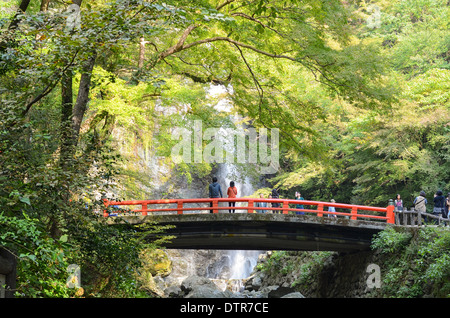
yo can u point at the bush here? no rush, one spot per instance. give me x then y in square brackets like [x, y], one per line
[415, 265]
[42, 261]
[391, 240]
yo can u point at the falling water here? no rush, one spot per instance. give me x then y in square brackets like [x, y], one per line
[228, 172]
[229, 270]
[243, 263]
[236, 264]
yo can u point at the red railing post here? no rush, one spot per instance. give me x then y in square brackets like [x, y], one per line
[320, 210]
[354, 213]
[250, 206]
[180, 207]
[215, 206]
[285, 207]
[144, 209]
[390, 214]
[106, 203]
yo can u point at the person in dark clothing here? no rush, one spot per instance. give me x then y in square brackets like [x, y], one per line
[439, 203]
[447, 205]
[214, 191]
[275, 195]
[298, 196]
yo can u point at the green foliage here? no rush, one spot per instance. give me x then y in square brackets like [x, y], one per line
[273, 263]
[418, 264]
[370, 156]
[42, 260]
[307, 264]
[309, 269]
[391, 240]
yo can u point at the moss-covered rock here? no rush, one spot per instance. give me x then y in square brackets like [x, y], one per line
[156, 262]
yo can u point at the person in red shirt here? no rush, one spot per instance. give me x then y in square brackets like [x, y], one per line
[232, 192]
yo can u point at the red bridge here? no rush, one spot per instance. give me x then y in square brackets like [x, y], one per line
[207, 223]
[180, 207]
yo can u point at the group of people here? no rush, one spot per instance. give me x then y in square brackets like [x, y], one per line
[441, 203]
[215, 191]
[273, 195]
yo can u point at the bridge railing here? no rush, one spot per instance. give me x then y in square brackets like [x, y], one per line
[285, 206]
[416, 218]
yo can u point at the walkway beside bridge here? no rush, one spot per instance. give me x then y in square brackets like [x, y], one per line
[196, 228]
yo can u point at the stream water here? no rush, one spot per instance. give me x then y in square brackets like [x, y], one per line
[231, 268]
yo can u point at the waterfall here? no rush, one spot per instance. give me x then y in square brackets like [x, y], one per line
[230, 269]
[227, 172]
[243, 263]
[235, 264]
[227, 268]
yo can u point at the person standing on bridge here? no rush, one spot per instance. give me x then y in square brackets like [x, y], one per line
[232, 193]
[275, 195]
[269, 204]
[420, 203]
[439, 203]
[299, 206]
[447, 206]
[332, 209]
[214, 191]
[398, 203]
[261, 205]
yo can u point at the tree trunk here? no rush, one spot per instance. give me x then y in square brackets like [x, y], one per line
[22, 8]
[66, 115]
[141, 53]
[66, 96]
[14, 23]
[44, 5]
[83, 97]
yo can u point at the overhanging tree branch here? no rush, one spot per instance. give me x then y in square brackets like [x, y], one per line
[180, 44]
[220, 6]
[240, 44]
[50, 86]
[261, 98]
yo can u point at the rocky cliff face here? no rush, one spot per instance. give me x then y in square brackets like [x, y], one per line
[317, 274]
[209, 273]
[226, 269]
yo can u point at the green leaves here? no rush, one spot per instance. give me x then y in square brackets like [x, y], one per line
[29, 256]
[391, 240]
[390, 135]
[63, 238]
[42, 261]
[416, 264]
[362, 111]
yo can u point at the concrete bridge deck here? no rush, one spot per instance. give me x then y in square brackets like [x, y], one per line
[253, 231]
